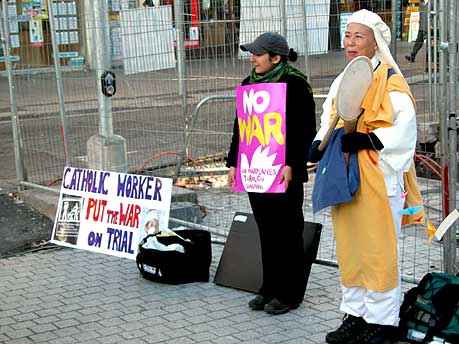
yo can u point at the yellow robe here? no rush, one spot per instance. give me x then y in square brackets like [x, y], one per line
[365, 233]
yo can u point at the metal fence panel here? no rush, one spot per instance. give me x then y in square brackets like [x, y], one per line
[148, 108]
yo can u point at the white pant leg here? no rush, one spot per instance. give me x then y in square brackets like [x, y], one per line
[377, 307]
[353, 301]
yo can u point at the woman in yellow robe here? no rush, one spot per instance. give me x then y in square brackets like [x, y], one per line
[367, 228]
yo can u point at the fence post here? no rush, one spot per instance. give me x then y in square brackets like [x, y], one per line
[433, 17]
[283, 14]
[179, 37]
[17, 138]
[450, 242]
[393, 43]
[430, 71]
[443, 118]
[306, 41]
[181, 74]
[106, 151]
[60, 86]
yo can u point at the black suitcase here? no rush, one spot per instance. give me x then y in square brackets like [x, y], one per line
[175, 267]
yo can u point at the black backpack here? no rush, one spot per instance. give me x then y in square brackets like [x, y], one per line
[431, 309]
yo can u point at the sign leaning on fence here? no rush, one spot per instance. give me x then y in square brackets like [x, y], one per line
[109, 212]
[261, 117]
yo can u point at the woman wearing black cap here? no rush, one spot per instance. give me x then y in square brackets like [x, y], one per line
[279, 216]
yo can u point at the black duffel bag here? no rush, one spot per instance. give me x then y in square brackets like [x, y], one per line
[174, 267]
[431, 309]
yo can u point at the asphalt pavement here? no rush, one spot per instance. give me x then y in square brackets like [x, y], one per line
[21, 227]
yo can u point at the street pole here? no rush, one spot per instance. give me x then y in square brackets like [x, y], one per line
[106, 151]
[17, 138]
[59, 84]
[450, 242]
[88, 17]
[102, 63]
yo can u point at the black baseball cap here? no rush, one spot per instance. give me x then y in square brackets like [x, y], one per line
[268, 42]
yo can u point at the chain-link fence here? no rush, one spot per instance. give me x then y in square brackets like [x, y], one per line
[174, 100]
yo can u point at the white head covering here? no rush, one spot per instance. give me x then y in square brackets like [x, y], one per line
[381, 32]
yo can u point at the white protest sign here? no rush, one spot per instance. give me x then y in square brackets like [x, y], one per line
[110, 212]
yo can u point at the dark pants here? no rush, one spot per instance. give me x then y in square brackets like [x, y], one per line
[280, 221]
[418, 43]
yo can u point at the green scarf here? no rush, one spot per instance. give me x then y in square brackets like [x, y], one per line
[275, 74]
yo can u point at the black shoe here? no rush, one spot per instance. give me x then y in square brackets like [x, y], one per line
[376, 334]
[258, 303]
[409, 58]
[276, 307]
[348, 330]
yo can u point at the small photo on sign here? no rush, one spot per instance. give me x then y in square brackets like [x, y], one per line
[152, 222]
[71, 209]
[68, 222]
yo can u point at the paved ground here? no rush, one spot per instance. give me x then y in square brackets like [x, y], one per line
[61, 295]
[70, 296]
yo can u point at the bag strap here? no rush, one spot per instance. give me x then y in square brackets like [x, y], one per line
[175, 235]
[138, 260]
[407, 309]
[144, 240]
[445, 301]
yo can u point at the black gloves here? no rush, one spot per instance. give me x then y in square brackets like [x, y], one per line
[314, 153]
[350, 143]
[355, 141]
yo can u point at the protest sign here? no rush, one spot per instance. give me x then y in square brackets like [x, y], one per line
[110, 212]
[261, 117]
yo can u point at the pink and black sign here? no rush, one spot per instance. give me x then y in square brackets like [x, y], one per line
[262, 135]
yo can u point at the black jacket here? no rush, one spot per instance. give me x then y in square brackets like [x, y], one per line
[300, 126]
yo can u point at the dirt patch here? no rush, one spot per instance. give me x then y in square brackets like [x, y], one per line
[21, 227]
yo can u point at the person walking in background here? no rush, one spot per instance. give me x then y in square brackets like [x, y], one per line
[422, 32]
[148, 3]
[279, 216]
[366, 229]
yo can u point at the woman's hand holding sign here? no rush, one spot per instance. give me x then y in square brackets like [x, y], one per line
[231, 176]
[286, 176]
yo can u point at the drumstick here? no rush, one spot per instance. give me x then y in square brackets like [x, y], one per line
[347, 130]
[328, 134]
